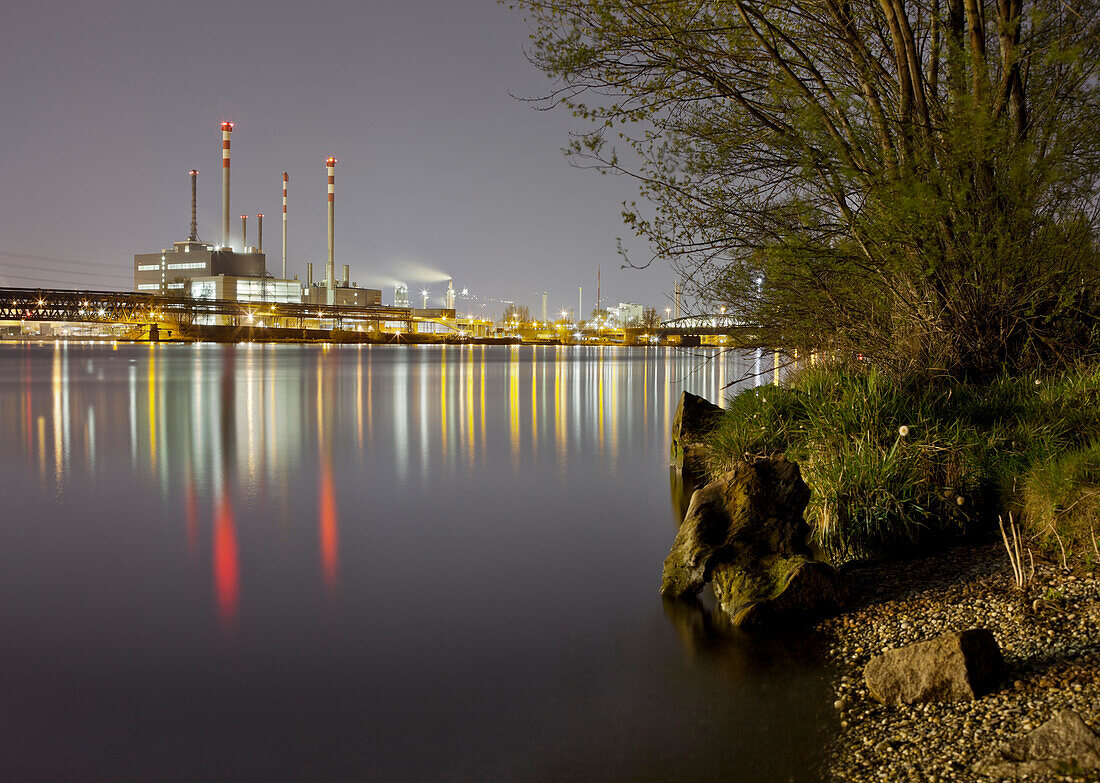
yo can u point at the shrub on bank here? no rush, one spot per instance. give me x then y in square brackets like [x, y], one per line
[894, 464]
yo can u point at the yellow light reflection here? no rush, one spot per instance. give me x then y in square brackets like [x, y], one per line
[599, 400]
[152, 392]
[559, 417]
[534, 403]
[513, 403]
[443, 402]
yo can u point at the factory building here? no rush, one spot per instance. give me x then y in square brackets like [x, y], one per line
[203, 270]
[343, 295]
[171, 272]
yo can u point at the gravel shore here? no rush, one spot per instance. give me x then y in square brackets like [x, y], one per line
[1050, 641]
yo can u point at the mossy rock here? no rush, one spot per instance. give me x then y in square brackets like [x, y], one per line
[695, 417]
[745, 533]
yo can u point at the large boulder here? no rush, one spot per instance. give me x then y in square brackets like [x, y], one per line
[695, 417]
[745, 532]
[956, 666]
[1061, 746]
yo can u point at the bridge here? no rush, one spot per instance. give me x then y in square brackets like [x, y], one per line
[719, 325]
[139, 309]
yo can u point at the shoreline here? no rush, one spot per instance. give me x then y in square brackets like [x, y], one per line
[1050, 642]
[399, 340]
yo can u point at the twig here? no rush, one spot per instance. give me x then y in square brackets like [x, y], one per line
[1016, 554]
[1058, 538]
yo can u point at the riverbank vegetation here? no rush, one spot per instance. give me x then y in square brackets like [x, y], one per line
[894, 464]
[914, 181]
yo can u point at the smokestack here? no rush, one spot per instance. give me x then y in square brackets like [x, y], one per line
[194, 235]
[330, 266]
[227, 128]
[347, 276]
[309, 275]
[676, 300]
[286, 178]
[244, 233]
[260, 232]
[580, 303]
[450, 294]
[597, 287]
[544, 303]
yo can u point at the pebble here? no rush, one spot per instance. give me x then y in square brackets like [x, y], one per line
[1051, 647]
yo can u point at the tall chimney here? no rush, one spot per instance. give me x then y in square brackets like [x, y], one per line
[227, 128]
[260, 232]
[194, 235]
[309, 275]
[330, 266]
[244, 233]
[286, 178]
[347, 276]
[580, 303]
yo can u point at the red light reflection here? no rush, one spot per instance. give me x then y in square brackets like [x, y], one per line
[227, 575]
[329, 533]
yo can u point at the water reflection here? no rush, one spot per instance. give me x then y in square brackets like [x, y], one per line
[458, 548]
[230, 422]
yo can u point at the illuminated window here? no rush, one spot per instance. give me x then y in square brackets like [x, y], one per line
[190, 265]
[149, 287]
[204, 289]
[148, 267]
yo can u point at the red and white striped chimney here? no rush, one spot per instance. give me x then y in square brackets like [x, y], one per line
[286, 178]
[227, 128]
[330, 267]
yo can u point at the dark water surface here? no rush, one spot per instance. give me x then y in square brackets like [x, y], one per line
[354, 563]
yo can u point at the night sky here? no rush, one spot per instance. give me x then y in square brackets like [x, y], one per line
[442, 173]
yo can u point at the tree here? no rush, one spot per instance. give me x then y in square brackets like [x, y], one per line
[912, 179]
[650, 319]
[513, 312]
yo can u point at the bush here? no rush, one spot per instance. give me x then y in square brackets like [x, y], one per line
[892, 465]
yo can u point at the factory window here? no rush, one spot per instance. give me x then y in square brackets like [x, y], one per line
[191, 265]
[149, 287]
[148, 267]
[205, 289]
[268, 291]
[175, 285]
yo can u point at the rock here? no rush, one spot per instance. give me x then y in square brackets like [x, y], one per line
[1061, 746]
[694, 418]
[953, 667]
[745, 532]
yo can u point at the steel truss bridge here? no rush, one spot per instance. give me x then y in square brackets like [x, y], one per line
[114, 307]
[700, 325]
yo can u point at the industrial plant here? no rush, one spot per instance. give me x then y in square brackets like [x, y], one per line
[222, 271]
[223, 290]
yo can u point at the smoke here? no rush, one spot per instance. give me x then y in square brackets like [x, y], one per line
[413, 273]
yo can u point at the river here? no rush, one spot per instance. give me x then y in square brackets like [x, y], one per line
[383, 563]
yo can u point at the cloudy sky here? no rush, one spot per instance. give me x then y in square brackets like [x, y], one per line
[105, 106]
